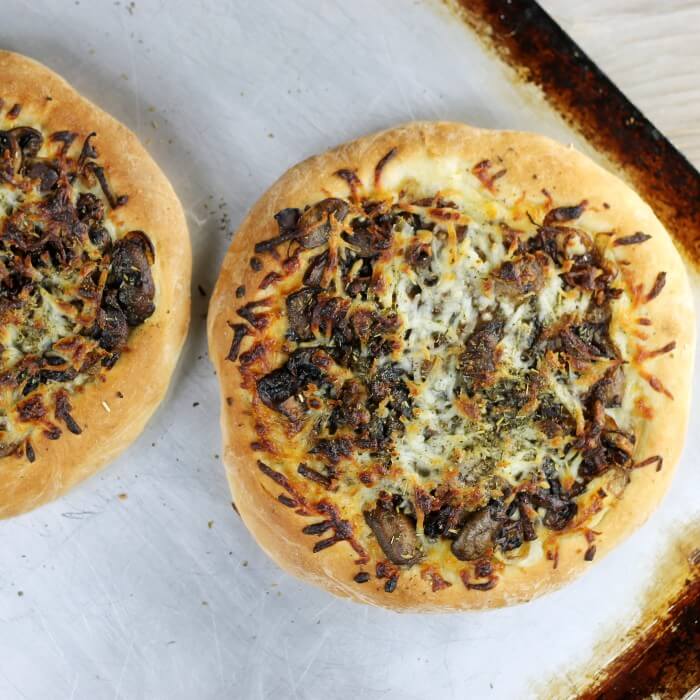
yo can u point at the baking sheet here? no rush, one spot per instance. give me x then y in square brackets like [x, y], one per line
[142, 582]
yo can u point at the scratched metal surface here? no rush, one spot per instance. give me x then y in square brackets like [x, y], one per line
[163, 594]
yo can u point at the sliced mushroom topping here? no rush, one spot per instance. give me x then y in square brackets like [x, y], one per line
[44, 171]
[444, 522]
[419, 256]
[113, 330]
[90, 208]
[479, 359]
[552, 417]
[610, 389]
[20, 143]
[306, 365]
[311, 229]
[130, 273]
[315, 223]
[299, 310]
[388, 383]
[277, 387]
[29, 140]
[351, 408]
[370, 237]
[560, 509]
[314, 272]
[595, 330]
[287, 219]
[476, 538]
[395, 533]
[100, 238]
[293, 409]
[523, 275]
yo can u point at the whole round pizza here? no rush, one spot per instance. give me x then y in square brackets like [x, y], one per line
[94, 285]
[454, 366]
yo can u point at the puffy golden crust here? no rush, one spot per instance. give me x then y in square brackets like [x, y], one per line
[533, 164]
[114, 410]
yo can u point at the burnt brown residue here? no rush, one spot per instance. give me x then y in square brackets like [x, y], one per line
[314, 475]
[659, 284]
[282, 481]
[529, 40]
[354, 183]
[14, 111]
[381, 165]
[661, 656]
[63, 412]
[666, 663]
[634, 239]
[240, 330]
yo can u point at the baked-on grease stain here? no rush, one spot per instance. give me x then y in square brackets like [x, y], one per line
[665, 662]
[660, 656]
[525, 37]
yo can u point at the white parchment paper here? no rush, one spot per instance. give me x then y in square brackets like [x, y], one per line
[162, 593]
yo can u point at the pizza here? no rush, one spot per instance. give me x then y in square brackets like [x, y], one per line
[454, 366]
[94, 285]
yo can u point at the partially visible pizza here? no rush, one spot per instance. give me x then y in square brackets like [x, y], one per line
[454, 366]
[94, 285]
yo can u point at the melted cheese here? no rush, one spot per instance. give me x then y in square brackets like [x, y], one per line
[449, 439]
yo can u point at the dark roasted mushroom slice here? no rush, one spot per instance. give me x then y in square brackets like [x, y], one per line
[43, 171]
[552, 417]
[311, 229]
[559, 516]
[559, 508]
[395, 532]
[90, 208]
[388, 382]
[419, 256]
[444, 522]
[595, 330]
[293, 409]
[28, 139]
[314, 272]
[130, 274]
[100, 238]
[479, 358]
[351, 408]
[112, 328]
[477, 535]
[610, 388]
[523, 275]
[287, 219]
[299, 309]
[277, 387]
[370, 238]
[306, 365]
[315, 223]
